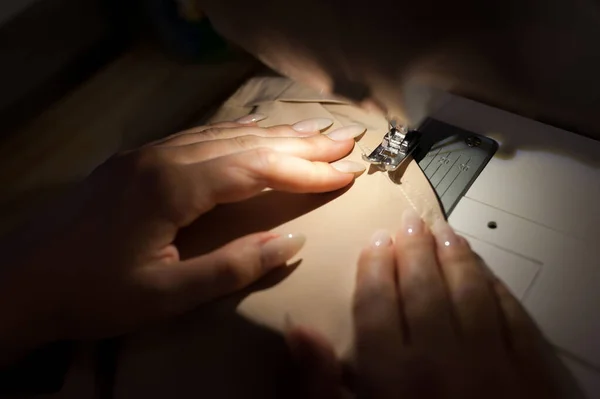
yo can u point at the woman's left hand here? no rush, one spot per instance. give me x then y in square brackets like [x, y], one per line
[110, 265]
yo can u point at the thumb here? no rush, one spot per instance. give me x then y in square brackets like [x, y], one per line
[319, 369]
[227, 269]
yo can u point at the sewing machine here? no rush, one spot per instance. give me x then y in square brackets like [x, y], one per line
[525, 195]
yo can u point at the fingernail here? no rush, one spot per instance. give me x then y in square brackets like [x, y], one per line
[312, 125]
[381, 238]
[444, 234]
[412, 224]
[278, 251]
[346, 132]
[252, 118]
[346, 166]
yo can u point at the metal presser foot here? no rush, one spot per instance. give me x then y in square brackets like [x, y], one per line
[397, 145]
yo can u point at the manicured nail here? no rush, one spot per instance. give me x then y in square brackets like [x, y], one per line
[346, 132]
[252, 118]
[444, 234]
[412, 224]
[346, 166]
[278, 251]
[312, 125]
[381, 238]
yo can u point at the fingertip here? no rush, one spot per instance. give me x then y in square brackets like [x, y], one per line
[350, 167]
[346, 133]
[452, 248]
[277, 251]
[377, 258]
[313, 125]
[445, 236]
[412, 223]
[380, 239]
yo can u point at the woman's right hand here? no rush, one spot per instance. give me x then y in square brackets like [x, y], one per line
[431, 321]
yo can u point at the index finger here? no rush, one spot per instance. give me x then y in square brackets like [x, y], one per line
[239, 176]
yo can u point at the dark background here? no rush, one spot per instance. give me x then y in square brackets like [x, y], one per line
[47, 47]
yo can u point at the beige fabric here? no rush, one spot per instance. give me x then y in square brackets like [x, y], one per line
[237, 337]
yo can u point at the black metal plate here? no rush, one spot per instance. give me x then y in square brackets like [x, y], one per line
[452, 159]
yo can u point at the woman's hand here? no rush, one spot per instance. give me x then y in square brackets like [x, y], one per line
[431, 321]
[108, 263]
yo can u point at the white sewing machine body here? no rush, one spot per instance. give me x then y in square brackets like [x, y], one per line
[541, 192]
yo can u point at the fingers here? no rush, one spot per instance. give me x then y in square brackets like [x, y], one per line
[229, 130]
[376, 308]
[242, 175]
[230, 268]
[425, 300]
[443, 288]
[185, 137]
[319, 369]
[475, 306]
[327, 148]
